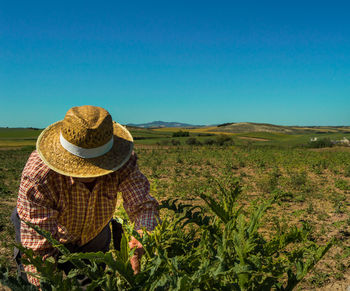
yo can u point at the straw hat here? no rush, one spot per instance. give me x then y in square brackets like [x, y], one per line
[86, 143]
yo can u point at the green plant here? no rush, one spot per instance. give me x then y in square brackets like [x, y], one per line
[180, 133]
[269, 182]
[193, 141]
[342, 184]
[175, 142]
[347, 171]
[321, 143]
[223, 139]
[298, 180]
[310, 208]
[15, 284]
[209, 141]
[224, 250]
[164, 142]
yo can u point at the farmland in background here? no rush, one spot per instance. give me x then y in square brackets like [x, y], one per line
[241, 133]
[313, 184]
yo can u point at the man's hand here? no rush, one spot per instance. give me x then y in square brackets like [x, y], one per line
[136, 258]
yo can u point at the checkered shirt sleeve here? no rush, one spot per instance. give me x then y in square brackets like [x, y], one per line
[35, 205]
[140, 206]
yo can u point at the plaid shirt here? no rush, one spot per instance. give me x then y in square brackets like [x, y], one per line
[73, 214]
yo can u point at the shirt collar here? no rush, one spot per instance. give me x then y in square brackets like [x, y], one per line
[98, 179]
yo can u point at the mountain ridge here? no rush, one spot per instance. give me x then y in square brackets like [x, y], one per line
[157, 124]
[231, 127]
[274, 128]
[240, 127]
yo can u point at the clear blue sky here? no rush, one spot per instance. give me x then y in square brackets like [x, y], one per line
[200, 62]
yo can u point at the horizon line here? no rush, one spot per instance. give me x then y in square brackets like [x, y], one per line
[188, 124]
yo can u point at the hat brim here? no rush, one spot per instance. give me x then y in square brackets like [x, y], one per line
[60, 160]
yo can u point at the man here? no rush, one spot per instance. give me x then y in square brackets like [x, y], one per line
[70, 186]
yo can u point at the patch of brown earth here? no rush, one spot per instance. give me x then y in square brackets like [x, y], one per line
[343, 285]
[3, 288]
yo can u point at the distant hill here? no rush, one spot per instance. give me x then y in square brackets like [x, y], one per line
[245, 127]
[242, 127]
[239, 127]
[157, 124]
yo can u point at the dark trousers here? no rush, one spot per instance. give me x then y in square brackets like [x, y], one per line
[100, 243]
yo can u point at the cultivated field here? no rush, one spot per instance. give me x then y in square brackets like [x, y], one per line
[312, 185]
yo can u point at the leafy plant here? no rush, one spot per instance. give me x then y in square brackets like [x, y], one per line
[224, 249]
[321, 143]
[193, 141]
[180, 133]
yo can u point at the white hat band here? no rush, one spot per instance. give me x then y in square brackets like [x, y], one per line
[86, 153]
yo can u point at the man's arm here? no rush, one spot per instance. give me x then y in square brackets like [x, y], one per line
[140, 206]
[36, 205]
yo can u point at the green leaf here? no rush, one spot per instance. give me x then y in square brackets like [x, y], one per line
[183, 283]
